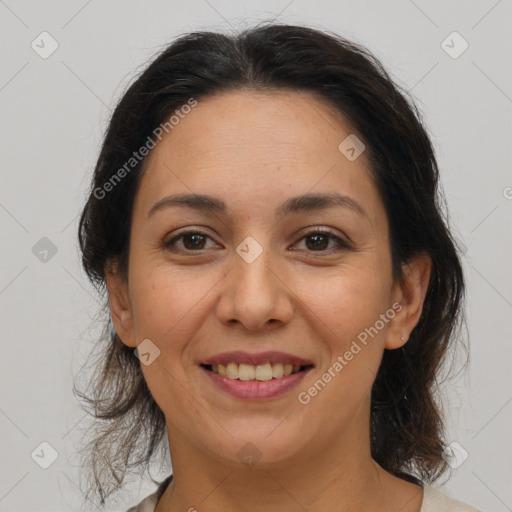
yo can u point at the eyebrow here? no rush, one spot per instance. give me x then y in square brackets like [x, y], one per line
[305, 202]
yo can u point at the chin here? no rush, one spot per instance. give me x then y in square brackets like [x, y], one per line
[264, 449]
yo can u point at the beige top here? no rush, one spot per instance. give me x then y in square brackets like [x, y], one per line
[433, 501]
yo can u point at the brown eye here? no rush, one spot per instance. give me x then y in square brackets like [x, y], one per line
[189, 241]
[193, 241]
[317, 242]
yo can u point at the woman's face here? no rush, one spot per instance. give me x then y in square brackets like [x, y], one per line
[259, 277]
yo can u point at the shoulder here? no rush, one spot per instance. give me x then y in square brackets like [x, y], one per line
[435, 500]
[148, 504]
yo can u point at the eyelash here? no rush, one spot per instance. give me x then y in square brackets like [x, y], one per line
[341, 244]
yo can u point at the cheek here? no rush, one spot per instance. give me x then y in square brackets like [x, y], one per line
[347, 301]
[346, 310]
[169, 308]
[169, 304]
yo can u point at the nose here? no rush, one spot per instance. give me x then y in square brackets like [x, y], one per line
[255, 295]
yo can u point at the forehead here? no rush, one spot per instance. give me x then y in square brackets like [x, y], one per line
[257, 145]
[296, 123]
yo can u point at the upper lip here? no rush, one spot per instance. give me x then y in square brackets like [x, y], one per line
[271, 357]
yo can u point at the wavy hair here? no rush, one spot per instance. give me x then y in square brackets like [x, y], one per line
[407, 429]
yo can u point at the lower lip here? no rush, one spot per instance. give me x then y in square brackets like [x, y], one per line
[256, 389]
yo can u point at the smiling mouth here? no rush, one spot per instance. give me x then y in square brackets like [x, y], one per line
[260, 372]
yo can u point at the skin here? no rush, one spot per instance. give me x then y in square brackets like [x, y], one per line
[254, 150]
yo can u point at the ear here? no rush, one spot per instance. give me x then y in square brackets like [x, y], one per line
[120, 305]
[410, 293]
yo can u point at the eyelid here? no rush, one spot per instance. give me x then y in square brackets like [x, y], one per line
[341, 243]
[168, 241]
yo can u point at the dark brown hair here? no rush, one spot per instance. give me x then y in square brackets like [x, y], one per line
[406, 419]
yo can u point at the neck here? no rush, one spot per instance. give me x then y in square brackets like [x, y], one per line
[338, 474]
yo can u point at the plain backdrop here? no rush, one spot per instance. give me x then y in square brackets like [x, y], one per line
[54, 111]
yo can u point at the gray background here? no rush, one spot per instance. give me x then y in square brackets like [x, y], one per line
[53, 113]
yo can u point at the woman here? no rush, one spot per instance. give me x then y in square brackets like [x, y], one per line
[282, 285]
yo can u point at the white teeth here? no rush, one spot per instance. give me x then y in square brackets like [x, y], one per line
[246, 371]
[261, 372]
[232, 371]
[277, 370]
[264, 372]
